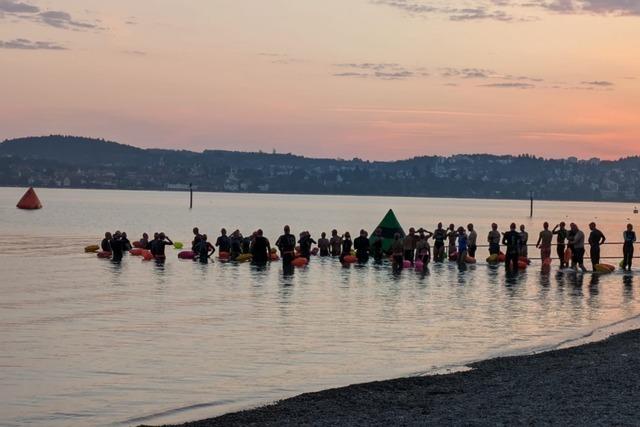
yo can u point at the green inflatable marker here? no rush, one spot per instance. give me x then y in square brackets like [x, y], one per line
[390, 226]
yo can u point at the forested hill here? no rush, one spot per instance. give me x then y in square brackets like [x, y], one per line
[65, 161]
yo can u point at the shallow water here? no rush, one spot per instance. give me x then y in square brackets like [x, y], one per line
[88, 342]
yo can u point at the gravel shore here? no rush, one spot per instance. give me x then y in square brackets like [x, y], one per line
[594, 384]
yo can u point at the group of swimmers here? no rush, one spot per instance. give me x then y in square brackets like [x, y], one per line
[456, 243]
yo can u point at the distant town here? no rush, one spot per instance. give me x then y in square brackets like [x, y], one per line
[75, 162]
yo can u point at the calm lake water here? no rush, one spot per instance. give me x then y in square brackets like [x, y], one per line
[87, 342]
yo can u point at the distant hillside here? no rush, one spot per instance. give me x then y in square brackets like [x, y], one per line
[66, 161]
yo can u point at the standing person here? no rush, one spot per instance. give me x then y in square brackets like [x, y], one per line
[126, 243]
[629, 238]
[410, 245]
[245, 244]
[397, 251]
[596, 238]
[105, 245]
[472, 240]
[362, 247]
[324, 245]
[494, 240]
[524, 239]
[439, 236]
[423, 249]
[336, 243]
[204, 249]
[561, 232]
[196, 239]
[236, 245]
[305, 243]
[512, 240]
[223, 242]
[287, 245]
[544, 242]
[158, 245]
[260, 249]
[117, 247]
[576, 243]
[452, 234]
[347, 244]
[376, 245]
[462, 246]
[144, 241]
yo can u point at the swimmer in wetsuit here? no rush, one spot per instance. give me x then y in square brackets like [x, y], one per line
[362, 246]
[305, 244]
[287, 245]
[629, 238]
[223, 242]
[204, 249]
[260, 249]
[105, 245]
[376, 245]
[158, 245]
[439, 236]
[346, 246]
[117, 247]
[512, 239]
[562, 234]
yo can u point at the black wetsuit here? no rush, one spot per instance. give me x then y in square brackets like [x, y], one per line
[595, 237]
[512, 240]
[305, 246]
[126, 244]
[287, 245]
[562, 236]
[346, 249]
[157, 248]
[117, 249]
[195, 244]
[362, 246]
[236, 248]
[202, 249]
[224, 244]
[627, 248]
[105, 245]
[439, 237]
[259, 250]
[376, 248]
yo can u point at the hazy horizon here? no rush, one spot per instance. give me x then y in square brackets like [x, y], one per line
[373, 79]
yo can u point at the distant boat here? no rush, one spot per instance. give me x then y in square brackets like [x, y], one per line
[635, 210]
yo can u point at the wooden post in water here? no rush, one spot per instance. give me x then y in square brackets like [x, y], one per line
[190, 195]
[531, 208]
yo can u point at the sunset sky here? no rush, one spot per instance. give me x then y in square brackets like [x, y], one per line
[376, 79]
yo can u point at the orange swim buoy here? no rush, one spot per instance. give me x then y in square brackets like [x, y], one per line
[136, 252]
[223, 255]
[274, 257]
[350, 259]
[522, 265]
[567, 255]
[104, 254]
[299, 262]
[147, 255]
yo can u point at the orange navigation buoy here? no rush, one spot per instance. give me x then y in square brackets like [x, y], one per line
[29, 200]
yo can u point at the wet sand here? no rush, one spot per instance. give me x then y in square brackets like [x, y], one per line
[594, 384]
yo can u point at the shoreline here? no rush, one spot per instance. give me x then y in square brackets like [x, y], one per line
[597, 383]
